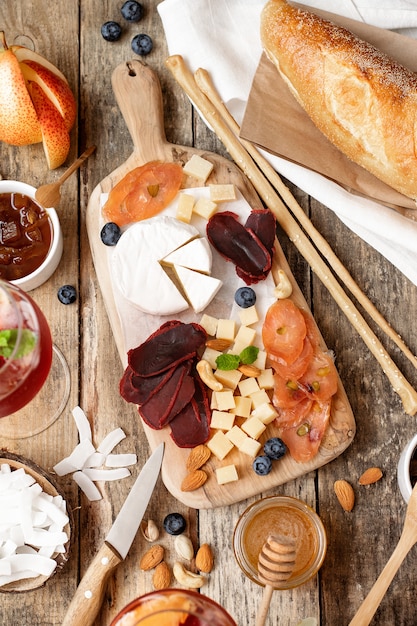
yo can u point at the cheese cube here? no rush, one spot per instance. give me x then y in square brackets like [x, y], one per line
[222, 420]
[265, 412]
[229, 378]
[226, 474]
[222, 192]
[185, 207]
[266, 379]
[209, 323]
[198, 168]
[224, 399]
[245, 336]
[248, 386]
[260, 362]
[249, 316]
[213, 403]
[259, 397]
[236, 436]
[243, 406]
[204, 207]
[253, 427]
[226, 329]
[220, 445]
[211, 355]
[250, 447]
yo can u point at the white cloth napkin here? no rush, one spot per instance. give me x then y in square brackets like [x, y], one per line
[222, 36]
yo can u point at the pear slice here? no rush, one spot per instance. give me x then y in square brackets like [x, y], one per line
[25, 54]
[55, 136]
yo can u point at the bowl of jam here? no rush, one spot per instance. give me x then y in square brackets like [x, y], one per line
[31, 242]
[407, 469]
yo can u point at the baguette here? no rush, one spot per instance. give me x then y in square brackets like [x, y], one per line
[364, 102]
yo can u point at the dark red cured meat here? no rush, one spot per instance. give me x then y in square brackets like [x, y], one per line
[191, 427]
[138, 389]
[170, 398]
[262, 223]
[240, 245]
[173, 343]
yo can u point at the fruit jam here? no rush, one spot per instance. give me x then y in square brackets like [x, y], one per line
[25, 235]
[22, 375]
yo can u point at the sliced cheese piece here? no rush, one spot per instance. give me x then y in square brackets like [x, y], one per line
[200, 289]
[209, 323]
[204, 207]
[250, 447]
[222, 192]
[220, 445]
[226, 474]
[195, 255]
[199, 168]
[136, 269]
[185, 207]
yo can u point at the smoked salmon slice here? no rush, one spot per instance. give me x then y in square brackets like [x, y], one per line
[284, 330]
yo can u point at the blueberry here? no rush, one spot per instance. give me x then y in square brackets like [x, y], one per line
[110, 234]
[132, 11]
[174, 523]
[111, 31]
[142, 44]
[245, 297]
[275, 448]
[67, 294]
[262, 465]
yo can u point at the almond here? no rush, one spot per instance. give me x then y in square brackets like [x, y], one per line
[219, 344]
[152, 557]
[251, 371]
[197, 457]
[345, 494]
[370, 476]
[204, 559]
[194, 480]
[161, 578]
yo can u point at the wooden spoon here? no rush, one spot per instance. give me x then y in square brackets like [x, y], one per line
[276, 563]
[408, 538]
[49, 196]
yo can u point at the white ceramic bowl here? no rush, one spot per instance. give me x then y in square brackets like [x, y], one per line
[48, 267]
[403, 469]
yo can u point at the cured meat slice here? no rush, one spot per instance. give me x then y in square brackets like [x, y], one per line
[240, 245]
[284, 330]
[172, 344]
[191, 427]
[262, 223]
[321, 377]
[304, 438]
[298, 367]
[138, 389]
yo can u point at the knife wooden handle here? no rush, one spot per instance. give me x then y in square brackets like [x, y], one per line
[88, 598]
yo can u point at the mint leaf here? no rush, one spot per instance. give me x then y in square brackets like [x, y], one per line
[249, 355]
[8, 340]
[227, 361]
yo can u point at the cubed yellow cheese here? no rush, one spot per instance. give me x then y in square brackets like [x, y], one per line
[243, 406]
[250, 447]
[259, 397]
[222, 420]
[204, 207]
[244, 336]
[211, 355]
[236, 436]
[266, 379]
[260, 360]
[209, 323]
[224, 399]
[253, 427]
[265, 412]
[228, 378]
[222, 192]
[213, 403]
[248, 386]
[226, 474]
[220, 445]
[197, 167]
[249, 316]
[185, 207]
[226, 329]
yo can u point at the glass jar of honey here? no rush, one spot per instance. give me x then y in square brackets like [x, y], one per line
[284, 516]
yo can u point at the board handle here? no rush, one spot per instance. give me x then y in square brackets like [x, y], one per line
[138, 93]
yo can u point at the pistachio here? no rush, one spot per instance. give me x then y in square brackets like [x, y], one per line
[184, 547]
[149, 530]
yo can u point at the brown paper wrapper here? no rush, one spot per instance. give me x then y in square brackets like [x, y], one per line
[275, 121]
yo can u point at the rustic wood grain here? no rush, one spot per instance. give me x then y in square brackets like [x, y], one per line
[360, 542]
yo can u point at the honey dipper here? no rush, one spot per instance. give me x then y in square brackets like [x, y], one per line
[276, 563]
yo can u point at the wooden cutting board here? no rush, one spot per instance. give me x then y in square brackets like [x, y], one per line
[139, 97]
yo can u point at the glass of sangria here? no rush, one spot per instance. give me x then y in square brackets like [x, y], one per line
[34, 376]
[173, 607]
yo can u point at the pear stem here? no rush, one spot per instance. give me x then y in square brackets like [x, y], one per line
[3, 43]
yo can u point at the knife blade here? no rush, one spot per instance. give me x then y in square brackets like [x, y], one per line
[86, 603]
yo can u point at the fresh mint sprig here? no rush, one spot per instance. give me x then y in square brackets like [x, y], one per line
[232, 361]
[8, 339]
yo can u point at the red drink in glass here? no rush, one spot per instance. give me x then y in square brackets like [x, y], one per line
[25, 348]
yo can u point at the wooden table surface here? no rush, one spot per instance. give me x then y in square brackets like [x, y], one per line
[359, 542]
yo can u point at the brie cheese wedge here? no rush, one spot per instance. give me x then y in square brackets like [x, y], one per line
[195, 255]
[200, 289]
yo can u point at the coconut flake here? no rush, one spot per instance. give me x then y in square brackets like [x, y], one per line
[87, 486]
[111, 440]
[97, 475]
[120, 460]
[82, 423]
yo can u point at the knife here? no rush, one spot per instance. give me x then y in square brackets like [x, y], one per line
[86, 603]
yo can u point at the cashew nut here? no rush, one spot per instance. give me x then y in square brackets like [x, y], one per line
[207, 376]
[186, 578]
[284, 286]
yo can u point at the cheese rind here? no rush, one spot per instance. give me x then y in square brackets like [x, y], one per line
[200, 289]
